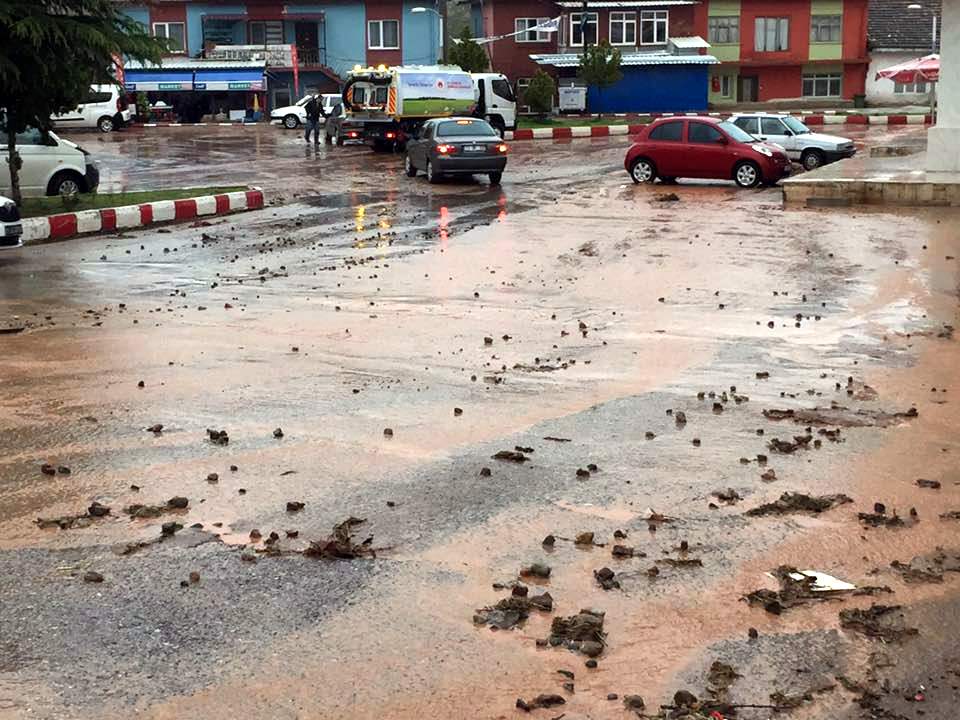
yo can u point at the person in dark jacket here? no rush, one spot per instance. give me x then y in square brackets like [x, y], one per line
[315, 110]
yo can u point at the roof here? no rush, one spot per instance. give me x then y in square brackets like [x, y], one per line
[891, 26]
[688, 43]
[624, 3]
[563, 60]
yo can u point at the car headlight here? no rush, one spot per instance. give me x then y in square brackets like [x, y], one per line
[763, 150]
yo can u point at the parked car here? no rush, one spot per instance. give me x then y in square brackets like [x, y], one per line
[102, 108]
[11, 229]
[809, 148]
[339, 128]
[51, 165]
[456, 146]
[293, 116]
[703, 148]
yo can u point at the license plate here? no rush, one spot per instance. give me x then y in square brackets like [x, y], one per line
[13, 230]
[474, 148]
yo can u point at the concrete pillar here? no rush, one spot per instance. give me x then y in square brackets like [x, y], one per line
[943, 140]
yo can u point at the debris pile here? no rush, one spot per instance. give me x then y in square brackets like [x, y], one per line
[792, 502]
[884, 622]
[582, 632]
[68, 522]
[512, 611]
[340, 545]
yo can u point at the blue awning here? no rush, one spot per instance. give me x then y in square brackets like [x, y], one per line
[238, 80]
[154, 80]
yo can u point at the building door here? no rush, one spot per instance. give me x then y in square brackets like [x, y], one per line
[747, 88]
[308, 42]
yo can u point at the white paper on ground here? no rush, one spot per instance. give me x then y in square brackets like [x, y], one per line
[822, 581]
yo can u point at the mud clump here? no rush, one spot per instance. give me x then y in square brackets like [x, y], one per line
[792, 592]
[538, 570]
[786, 447]
[153, 511]
[728, 496]
[340, 544]
[68, 522]
[879, 517]
[791, 502]
[218, 437]
[840, 416]
[606, 578]
[511, 456]
[582, 632]
[928, 484]
[884, 622]
[540, 701]
[512, 611]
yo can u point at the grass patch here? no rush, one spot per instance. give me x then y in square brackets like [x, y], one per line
[525, 122]
[38, 207]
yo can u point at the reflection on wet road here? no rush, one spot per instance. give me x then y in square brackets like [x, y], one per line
[568, 316]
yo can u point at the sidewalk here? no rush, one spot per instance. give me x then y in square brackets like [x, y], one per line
[67, 225]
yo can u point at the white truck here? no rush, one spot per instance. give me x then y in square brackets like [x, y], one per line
[388, 105]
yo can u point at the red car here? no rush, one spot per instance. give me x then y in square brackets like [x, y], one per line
[702, 147]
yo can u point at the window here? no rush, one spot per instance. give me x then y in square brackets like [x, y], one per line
[95, 97]
[266, 33]
[383, 35]
[174, 32]
[822, 85]
[577, 27]
[726, 86]
[217, 31]
[623, 28]
[525, 26]
[653, 27]
[359, 95]
[724, 30]
[772, 34]
[908, 88]
[669, 131]
[747, 124]
[464, 128]
[735, 132]
[825, 29]
[698, 132]
[771, 126]
[501, 88]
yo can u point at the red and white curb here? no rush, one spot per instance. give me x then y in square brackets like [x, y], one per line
[587, 131]
[59, 227]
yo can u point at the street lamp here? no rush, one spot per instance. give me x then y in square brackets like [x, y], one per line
[419, 10]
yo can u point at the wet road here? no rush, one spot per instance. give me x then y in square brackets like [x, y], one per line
[364, 304]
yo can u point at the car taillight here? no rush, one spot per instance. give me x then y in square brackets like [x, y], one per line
[446, 149]
[502, 148]
[391, 135]
[353, 134]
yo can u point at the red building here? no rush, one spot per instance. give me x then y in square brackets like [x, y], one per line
[810, 50]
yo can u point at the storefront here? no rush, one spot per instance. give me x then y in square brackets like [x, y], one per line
[201, 91]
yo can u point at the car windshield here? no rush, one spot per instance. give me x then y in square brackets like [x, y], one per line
[795, 125]
[736, 133]
[304, 101]
[455, 128]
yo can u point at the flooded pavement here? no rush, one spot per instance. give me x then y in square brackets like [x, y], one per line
[621, 348]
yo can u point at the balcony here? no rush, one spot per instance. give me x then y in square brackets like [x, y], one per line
[279, 56]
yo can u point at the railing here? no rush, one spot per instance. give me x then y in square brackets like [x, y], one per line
[310, 56]
[275, 55]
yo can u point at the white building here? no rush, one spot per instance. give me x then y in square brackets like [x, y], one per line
[897, 33]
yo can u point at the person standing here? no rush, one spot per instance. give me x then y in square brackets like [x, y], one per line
[314, 110]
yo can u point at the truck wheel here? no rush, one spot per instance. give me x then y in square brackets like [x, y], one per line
[495, 178]
[812, 159]
[105, 124]
[66, 182]
[409, 167]
[497, 123]
[290, 122]
[432, 177]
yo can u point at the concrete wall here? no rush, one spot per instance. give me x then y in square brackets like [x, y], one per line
[880, 92]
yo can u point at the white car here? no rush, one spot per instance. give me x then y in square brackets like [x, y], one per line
[10, 227]
[98, 110]
[51, 166]
[811, 149]
[293, 116]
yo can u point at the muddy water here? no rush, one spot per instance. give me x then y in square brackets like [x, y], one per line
[646, 278]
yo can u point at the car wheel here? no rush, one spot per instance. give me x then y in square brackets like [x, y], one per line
[432, 177]
[408, 166]
[495, 178]
[812, 159]
[66, 182]
[747, 174]
[105, 124]
[291, 122]
[643, 171]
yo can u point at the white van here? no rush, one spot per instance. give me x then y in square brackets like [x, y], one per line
[50, 167]
[293, 116]
[98, 110]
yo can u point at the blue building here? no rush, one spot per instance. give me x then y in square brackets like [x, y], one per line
[225, 53]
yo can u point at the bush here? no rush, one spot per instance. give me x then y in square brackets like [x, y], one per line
[468, 54]
[539, 94]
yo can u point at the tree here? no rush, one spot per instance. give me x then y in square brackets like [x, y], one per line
[468, 54]
[539, 93]
[51, 51]
[600, 65]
